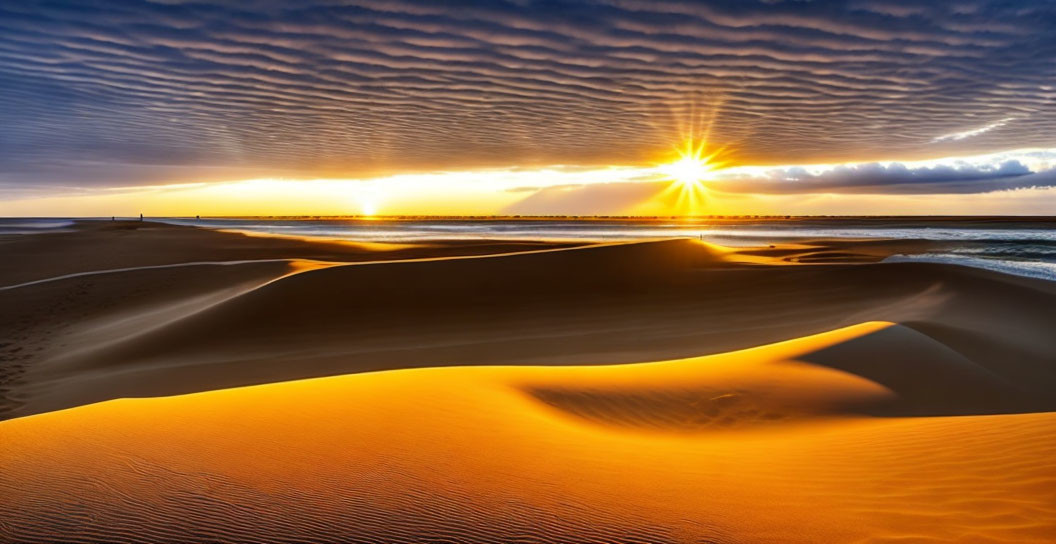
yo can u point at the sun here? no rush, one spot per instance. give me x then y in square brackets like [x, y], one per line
[688, 170]
[695, 163]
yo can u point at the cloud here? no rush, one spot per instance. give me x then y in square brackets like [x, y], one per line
[973, 132]
[588, 199]
[860, 189]
[963, 177]
[333, 86]
[893, 178]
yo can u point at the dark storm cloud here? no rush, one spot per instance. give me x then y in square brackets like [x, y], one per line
[97, 93]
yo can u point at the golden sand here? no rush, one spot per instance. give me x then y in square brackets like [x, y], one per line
[810, 403]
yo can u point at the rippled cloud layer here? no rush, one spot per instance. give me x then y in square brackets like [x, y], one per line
[126, 92]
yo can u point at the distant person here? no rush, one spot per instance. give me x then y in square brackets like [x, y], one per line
[140, 217]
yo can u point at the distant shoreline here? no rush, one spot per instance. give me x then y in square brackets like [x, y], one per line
[886, 220]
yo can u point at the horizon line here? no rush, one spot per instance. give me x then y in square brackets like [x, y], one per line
[500, 217]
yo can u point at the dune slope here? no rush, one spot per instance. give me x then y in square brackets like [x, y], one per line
[750, 446]
[618, 303]
[66, 294]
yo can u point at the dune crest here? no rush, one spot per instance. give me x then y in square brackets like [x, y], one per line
[766, 443]
[599, 304]
[868, 369]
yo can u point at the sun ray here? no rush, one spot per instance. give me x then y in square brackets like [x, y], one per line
[695, 163]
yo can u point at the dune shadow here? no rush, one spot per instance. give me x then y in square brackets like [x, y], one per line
[890, 370]
[928, 377]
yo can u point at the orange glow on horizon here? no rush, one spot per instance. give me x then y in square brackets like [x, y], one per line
[692, 179]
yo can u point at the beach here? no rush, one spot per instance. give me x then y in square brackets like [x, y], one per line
[166, 383]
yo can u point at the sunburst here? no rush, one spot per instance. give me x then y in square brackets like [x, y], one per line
[695, 163]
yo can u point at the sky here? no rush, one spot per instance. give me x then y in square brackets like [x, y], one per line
[330, 107]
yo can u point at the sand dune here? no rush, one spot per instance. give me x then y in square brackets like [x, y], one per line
[221, 327]
[751, 446]
[666, 391]
[67, 293]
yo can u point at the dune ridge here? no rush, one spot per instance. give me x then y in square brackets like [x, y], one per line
[457, 454]
[64, 290]
[660, 391]
[598, 304]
